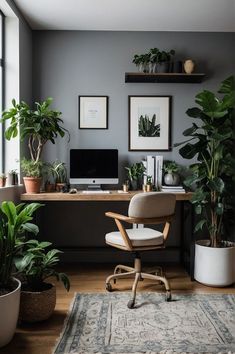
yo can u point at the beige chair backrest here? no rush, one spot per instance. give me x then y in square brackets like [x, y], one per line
[152, 205]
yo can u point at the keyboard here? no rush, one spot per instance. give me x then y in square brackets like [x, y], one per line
[96, 192]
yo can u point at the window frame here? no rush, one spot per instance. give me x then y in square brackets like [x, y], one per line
[2, 83]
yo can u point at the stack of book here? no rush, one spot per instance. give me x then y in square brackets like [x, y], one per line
[173, 189]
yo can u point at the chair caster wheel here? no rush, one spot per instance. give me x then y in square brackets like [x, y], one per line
[168, 296]
[108, 287]
[131, 304]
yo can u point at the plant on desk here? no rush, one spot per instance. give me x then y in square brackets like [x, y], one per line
[59, 172]
[135, 174]
[38, 298]
[171, 175]
[37, 126]
[33, 175]
[213, 177]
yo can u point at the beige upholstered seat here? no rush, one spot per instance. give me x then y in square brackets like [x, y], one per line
[144, 208]
[139, 237]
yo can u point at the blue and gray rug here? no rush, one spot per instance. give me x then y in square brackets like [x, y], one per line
[102, 323]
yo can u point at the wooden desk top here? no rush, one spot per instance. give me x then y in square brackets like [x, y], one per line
[113, 196]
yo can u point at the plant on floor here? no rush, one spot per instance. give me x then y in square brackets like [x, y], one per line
[37, 264]
[38, 125]
[14, 222]
[213, 173]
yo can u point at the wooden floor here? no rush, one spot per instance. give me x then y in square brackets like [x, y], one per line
[40, 338]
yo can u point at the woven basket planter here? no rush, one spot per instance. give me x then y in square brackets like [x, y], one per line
[37, 306]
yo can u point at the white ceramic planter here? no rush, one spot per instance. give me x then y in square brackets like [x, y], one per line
[9, 312]
[214, 266]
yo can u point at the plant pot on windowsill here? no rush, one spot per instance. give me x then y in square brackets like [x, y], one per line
[3, 181]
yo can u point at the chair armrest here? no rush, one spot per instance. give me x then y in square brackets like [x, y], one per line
[117, 216]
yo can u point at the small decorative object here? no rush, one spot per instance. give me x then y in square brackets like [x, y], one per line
[93, 112]
[125, 186]
[213, 176]
[171, 177]
[12, 178]
[189, 66]
[33, 175]
[149, 123]
[36, 264]
[14, 221]
[135, 174]
[144, 187]
[3, 179]
[149, 184]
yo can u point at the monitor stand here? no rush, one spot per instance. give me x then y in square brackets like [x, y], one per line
[94, 187]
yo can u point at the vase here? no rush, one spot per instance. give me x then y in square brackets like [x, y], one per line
[189, 66]
[171, 179]
[163, 67]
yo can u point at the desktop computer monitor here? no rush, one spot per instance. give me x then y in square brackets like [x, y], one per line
[94, 166]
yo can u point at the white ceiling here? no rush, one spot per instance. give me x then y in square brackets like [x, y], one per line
[130, 15]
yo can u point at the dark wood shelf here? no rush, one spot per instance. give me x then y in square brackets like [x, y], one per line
[165, 78]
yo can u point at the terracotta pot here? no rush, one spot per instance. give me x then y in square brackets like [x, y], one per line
[9, 310]
[149, 187]
[49, 187]
[59, 187]
[3, 181]
[32, 184]
[37, 306]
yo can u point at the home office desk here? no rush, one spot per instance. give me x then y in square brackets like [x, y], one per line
[66, 199]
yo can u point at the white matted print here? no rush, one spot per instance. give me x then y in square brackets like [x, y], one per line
[149, 123]
[93, 112]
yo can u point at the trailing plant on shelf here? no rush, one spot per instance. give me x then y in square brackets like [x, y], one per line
[38, 125]
[211, 141]
[148, 126]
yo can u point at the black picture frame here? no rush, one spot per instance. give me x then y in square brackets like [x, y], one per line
[141, 108]
[93, 112]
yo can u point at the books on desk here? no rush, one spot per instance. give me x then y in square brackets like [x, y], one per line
[173, 189]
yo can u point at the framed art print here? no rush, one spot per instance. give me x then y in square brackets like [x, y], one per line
[93, 112]
[149, 123]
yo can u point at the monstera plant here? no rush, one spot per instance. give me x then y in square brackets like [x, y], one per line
[211, 142]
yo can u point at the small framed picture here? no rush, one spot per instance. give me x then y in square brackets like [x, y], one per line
[93, 112]
[149, 123]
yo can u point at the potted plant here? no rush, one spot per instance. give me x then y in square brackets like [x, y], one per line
[149, 184]
[37, 263]
[33, 175]
[49, 178]
[37, 125]
[163, 60]
[142, 61]
[14, 221]
[171, 176]
[213, 177]
[12, 178]
[135, 174]
[60, 173]
[3, 179]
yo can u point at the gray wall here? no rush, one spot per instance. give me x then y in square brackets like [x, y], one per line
[72, 63]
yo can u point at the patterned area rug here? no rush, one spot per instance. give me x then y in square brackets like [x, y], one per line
[102, 323]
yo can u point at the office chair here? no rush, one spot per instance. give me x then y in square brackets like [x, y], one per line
[144, 208]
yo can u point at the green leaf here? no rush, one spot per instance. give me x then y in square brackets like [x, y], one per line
[191, 130]
[198, 209]
[216, 184]
[194, 112]
[227, 85]
[200, 225]
[31, 228]
[219, 209]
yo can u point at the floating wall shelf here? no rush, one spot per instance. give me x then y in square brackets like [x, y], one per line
[164, 78]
